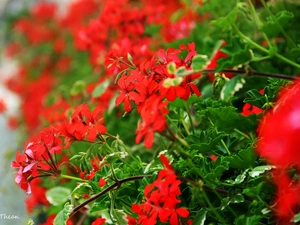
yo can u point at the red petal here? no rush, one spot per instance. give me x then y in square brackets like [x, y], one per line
[183, 212]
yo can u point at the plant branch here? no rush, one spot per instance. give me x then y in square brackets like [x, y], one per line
[251, 73]
[115, 185]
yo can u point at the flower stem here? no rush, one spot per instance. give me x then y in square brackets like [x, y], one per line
[72, 178]
[225, 146]
[264, 49]
[252, 73]
[115, 185]
[289, 40]
[219, 217]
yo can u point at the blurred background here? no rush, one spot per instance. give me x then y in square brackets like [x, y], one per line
[11, 196]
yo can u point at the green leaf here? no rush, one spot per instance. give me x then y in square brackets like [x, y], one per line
[238, 198]
[180, 103]
[199, 62]
[220, 166]
[296, 218]
[238, 53]
[246, 220]
[271, 28]
[231, 87]
[239, 179]
[111, 158]
[119, 216]
[77, 87]
[256, 99]
[225, 118]
[100, 204]
[200, 217]
[226, 22]
[205, 143]
[243, 159]
[182, 71]
[100, 89]
[253, 191]
[81, 189]
[62, 217]
[57, 195]
[259, 170]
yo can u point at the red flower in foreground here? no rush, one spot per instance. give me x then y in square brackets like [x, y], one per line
[280, 129]
[279, 142]
[161, 199]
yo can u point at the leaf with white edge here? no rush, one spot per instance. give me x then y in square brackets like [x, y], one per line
[199, 62]
[266, 211]
[100, 89]
[58, 195]
[259, 170]
[113, 157]
[200, 217]
[81, 189]
[119, 216]
[231, 87]
[296, 218]
[182, 71]
[30, 222]
[62, 217]
[238, 198]
[239, 179]
[77, 87]
[171, 67]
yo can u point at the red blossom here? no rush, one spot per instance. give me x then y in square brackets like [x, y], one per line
[280, 149]
[84, 124]
[161, 199]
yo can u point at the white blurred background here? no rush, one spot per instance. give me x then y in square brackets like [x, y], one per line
[11, 196]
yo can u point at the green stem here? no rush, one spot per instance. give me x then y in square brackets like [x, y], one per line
[264, 49]
[225, 146]
[258, 22]
[241, 133]
[219, 217]
[72, 178]
[289, 40]
[287, 60]
[115, 185]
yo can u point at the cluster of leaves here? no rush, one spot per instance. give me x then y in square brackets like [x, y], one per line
[192, 79]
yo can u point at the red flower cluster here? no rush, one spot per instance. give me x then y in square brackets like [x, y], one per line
[150, 83]
[279, 140]
[84, 124]
[38, 159]
[161, 200]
